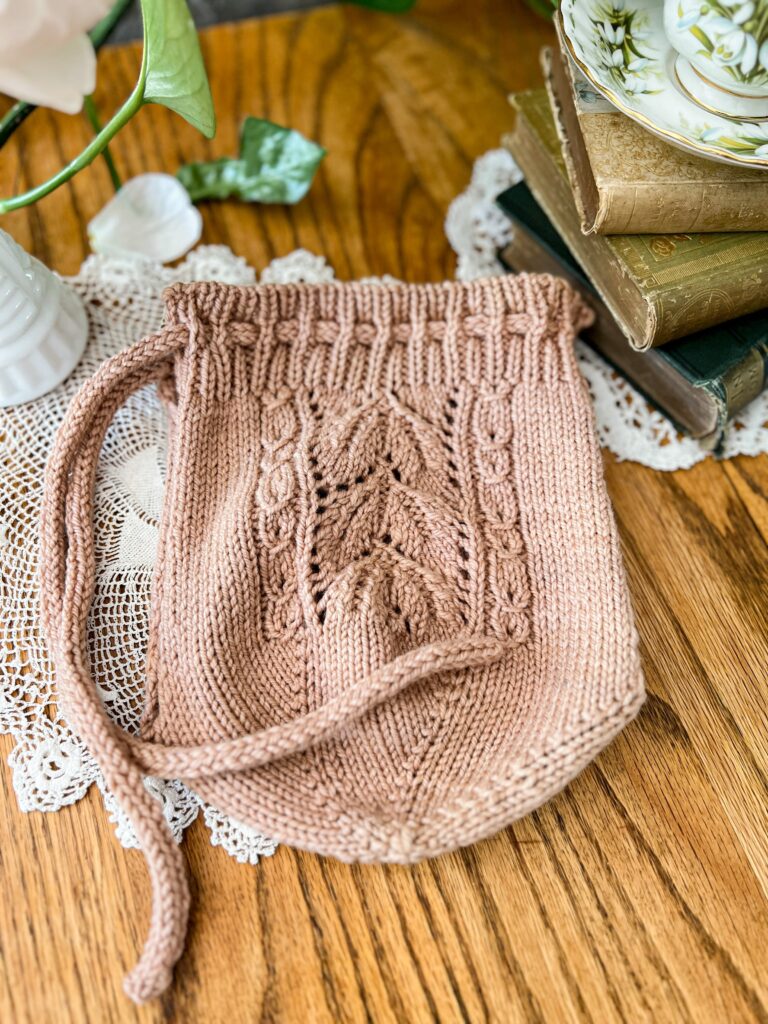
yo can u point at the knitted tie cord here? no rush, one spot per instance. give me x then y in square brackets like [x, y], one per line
[389, 612]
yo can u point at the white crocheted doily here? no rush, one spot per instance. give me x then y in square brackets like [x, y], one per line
[50, 766]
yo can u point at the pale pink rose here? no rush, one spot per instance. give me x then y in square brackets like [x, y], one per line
[46, 57]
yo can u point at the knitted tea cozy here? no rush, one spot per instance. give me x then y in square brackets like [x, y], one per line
[389, 611]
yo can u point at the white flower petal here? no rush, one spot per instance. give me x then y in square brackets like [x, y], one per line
[151, 216]
[744, 13]
[749, 55]
[45, 54]
[79, 15]
[16, 31]
[720, 26]
[734, 40]
[56, 78]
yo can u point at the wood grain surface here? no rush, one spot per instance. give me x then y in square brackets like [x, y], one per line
[639, 894]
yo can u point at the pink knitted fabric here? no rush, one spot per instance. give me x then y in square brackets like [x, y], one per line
[389, 611]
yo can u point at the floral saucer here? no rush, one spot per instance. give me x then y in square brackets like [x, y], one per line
[621, 47]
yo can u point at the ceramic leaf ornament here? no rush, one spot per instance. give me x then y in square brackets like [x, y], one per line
[151, 216]
[43, 326]
[274, 165]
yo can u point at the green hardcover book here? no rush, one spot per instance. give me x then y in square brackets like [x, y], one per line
[698, 382]
[658, 287]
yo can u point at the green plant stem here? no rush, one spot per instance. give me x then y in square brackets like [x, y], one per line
[761, 26]
[89, 154]
[11, 120]
[99, 34]
[93, 116]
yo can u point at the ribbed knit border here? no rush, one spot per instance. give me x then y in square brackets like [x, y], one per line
[364, 337]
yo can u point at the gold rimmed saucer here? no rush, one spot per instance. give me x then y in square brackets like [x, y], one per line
[621, 48]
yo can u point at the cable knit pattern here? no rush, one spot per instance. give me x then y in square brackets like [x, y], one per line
[389, 613]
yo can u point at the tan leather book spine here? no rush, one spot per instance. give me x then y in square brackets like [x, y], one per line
[627, 181]
[590, 201]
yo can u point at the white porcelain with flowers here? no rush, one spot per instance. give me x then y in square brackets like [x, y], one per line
[622, 48]
[723, 52]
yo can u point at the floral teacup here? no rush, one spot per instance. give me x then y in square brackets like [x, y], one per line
[722, 48]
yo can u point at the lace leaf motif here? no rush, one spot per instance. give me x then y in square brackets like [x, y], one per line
[386, 528]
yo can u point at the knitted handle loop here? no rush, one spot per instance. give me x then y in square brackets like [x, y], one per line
[68, 568]
[256, 749]
[67, 582]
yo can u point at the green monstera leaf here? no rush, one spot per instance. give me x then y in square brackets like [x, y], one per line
[275, 165]
[172, 72]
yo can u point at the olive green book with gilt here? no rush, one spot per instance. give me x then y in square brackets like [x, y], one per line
[657, 287]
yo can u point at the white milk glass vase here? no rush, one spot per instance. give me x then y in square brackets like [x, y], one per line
[43, 326]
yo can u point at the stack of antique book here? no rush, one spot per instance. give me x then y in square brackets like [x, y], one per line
[671, 249]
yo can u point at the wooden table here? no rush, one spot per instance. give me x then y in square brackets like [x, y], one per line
[636, 895]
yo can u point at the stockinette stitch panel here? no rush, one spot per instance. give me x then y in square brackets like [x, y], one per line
[389, 613]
